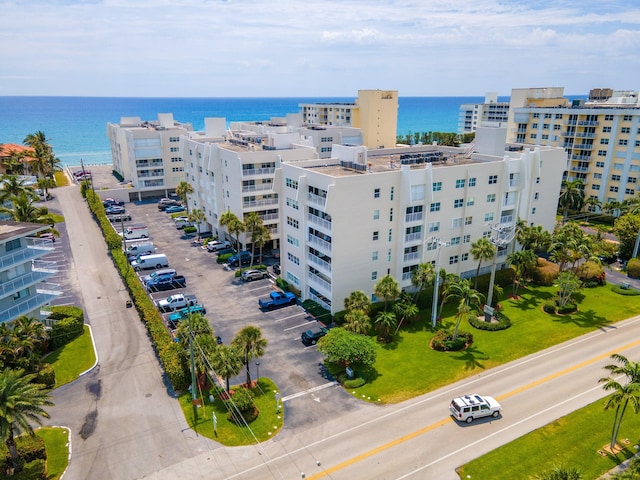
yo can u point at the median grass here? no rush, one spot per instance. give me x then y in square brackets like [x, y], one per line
[266, 426]
[572, 441]
[408, 367]
[57, 444]
[72, 359]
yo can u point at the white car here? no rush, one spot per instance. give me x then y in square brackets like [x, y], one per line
[253, 274]
[215, 245]
[469, 407]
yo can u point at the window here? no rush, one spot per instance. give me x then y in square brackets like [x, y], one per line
[604, 141]
[617, 166]
[391, 194]
[626, 118]
[293, 241]
[293, 259]
[376, 214]
[472, 182]
[436, 186]
[534, 135]
[599, 164]
[470, 201]
[458, 203]
[615, 178]
[456, 222]
[534, 125]
[536, 196]
[597, 176]
[545, 137]
[632, 180]
[417, 193]
[493, 179]
[606, 129]
[464, 257]
[434, 207]
[637, 144]
[623, 141]
[12, 244]
[374, 256]
[491, 198]
[174, 149]
[545, 126]
[292, 203]
[390, 234]
[613, 188]
[536, 115]
[466, 239]
[174, 139]
[595, 186]
[533, 211]
[608, 117]
[488, 217]
[537, 179]
[558, 116]
[374, 275]
[434, 226]
[292, 222]
[376, 235]
[460, 183]
[629, 191]
[292, 183]
[391, 214]
[468, 220]
[454, 259]
[602, 153]
[455, 241]
[376, 193]
[389, 255]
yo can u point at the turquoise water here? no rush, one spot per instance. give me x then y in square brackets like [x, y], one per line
[76, 126]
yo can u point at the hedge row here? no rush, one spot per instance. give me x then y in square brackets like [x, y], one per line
[172, 356]
[69, 324]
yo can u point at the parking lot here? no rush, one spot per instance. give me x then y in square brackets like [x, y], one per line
[232, 304]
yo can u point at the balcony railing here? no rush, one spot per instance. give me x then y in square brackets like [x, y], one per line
[321, 222]
[318, 281]
[319, 301]
[585, 135]
[257, 188]
[35, 248]
[321, 243]
[413, 217]
[248, 172]
[269, 216]
[34, 302]
[259, 203]
[580, 157]
[319, 262]
[317, 199]
[406, 276]
[408, 257]
[413, 237]
[23, 281]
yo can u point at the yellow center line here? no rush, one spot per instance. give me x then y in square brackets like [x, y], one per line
[417, 433]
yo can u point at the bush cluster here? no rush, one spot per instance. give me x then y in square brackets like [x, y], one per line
[46, 376]
[631, 292]
[443, 341]
[68, 326]
[172, 356]
[503, 322]
[591, 273]
[633, 268]
[189, 229]
[224, 258]
[243, 404]
[552, 307]
[31, 452]
[353, 382]
[545, 272]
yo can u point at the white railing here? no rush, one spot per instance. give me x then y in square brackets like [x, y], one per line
[318, 300]
[413, 237]
[321, 243]
[259, 203]
[258, 171]
[318, 261]
[411, 256]
[315, 279]
[36, 247]
[413, 217]
[317, 199]
[321, 222]
[34, 302]
[23, 281]
[257, 188]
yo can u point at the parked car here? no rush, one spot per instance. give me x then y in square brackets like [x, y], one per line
[311, 336]
[109, 202]
[253, 274]
[174, 209]
[276, 268]
[243, 257]
[48, 236]
[115, 210]
[124, 217]
[80, 173]
[165, 203]
[469, 407]
[217, 245]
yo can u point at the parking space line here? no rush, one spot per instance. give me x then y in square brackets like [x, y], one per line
[310, 390]
[290, 316]
[297, 326]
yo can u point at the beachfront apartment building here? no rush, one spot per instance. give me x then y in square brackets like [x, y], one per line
[23, 272]
[147, 153]
[491, 112]
[366, 213]
[374, 112]
[601, 136]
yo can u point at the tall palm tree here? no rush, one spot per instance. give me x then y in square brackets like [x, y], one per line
[43, 158]
[481, 249]
[387, 289]
[522, 261]
[13, 162]
[197, 216]
[571, 197]
[183, 190]
[226, 361]
[357, 321]
[21, 403]
[23, 210]
[261, 237]
[234, 226]
[447, 279]
[421, 277]
[405, 308]
[590, 204]
[623, 393]
[29, 339]
[253, 224]
[357, 300]
[250, 342]
[12, 187]
[470, 299]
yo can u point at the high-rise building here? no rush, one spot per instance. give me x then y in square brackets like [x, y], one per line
[601, 136]
[147, 153]
[23, 272]
[491, 112]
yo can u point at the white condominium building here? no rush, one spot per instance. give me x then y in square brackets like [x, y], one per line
[23, 273]
[147, 153]
[601, 136]
[491, 112]
[349, 221]
[375, 112]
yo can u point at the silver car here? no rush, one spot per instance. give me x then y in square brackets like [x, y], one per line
[252, 274]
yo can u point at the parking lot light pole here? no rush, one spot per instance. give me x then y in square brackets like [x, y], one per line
[257, 372]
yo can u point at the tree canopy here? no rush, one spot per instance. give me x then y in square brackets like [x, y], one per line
[347, 348]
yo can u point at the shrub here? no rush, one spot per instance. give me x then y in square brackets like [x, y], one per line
[443, 341]
[569, 307]
[550, 307]
[545, 272]
[354, 382]
[633, 268]
[625, 290]
[591, 273]
[64, 311]
[503, 322]
[224, 258]
[30, 449]
[189, 229]
[46, 376]
[243, 403]
[65, 330]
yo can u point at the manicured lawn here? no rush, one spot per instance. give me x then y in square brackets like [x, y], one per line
[408, 367]
[72, 359]
[61, 179]
[571, 442]
[267, 425]
[57, 443]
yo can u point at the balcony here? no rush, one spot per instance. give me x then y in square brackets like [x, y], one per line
[34, 302]
[320, 301]
[319, 282]
[588, 123]
[413, 217]
[313, 240]
[259, 203]
[579, 169]
[411, 257]
[582, 146]
[585, 135]
[316, 199]
[406, 276]
[413, 237]
[36, 248]
[257, 188]
[581, 157]
[269, 216]
[321, 222]
[250, 172]
[23, 281]
[319, 262]
[149, 175]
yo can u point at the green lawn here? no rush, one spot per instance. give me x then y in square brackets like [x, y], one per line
[72, 359]
[571, 442]
[57, 443]
[407, 367]
[267, 425]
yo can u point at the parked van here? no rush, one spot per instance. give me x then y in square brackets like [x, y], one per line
[145, 262]
[141, 249]
[135, 231]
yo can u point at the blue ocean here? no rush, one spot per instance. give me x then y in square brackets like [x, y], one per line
[76, 126]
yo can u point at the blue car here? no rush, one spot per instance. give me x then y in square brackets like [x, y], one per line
[175, 209]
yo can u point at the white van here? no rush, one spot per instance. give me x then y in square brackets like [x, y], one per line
[145, 262]
[141, 249]
[134, 232]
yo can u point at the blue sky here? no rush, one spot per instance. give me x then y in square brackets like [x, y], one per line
[280, 48]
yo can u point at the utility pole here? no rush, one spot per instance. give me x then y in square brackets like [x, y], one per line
[194, 395]
[504, 236]
[436, 283]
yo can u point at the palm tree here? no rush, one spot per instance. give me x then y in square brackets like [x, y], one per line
[13, 163]
[481, 249]
[591, 204]
[29, 338]
[385, 323]
[44, 161]
[183, 190]
[357, 321]
[470, 299]
[387, 289]
[357, 300]
[624, 394]
[23, 210]
[226, 362]
[421, 277]
[261, 237]
[534, 238]
[233, 224]
[253, 224]
[447, 279]
[21, 402]
[197, 216]
[571, 197]
[405, 308]
[12, 187]
[522, 261]
[251, 343]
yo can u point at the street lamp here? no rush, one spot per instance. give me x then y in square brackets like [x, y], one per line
[436, 283]
[257, 372]
[504, 236]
